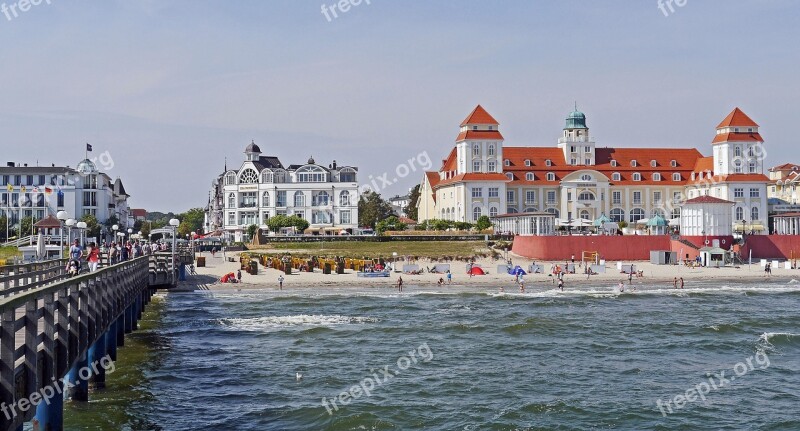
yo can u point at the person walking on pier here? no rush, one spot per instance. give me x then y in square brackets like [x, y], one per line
[92, 256]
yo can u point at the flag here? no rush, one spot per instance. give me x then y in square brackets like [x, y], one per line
[48, 191]
[22, 189]
[88, 147]
[35, 189]
[10, 188]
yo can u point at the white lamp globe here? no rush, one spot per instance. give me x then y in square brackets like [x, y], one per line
[174, 222]
[80, 225]
[70, 222]
[62, 215]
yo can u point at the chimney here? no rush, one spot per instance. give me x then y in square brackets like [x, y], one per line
[26, 165]
[10, 164]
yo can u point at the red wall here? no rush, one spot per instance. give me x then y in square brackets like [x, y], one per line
[772, 246]
[724, 241]
[614, 247]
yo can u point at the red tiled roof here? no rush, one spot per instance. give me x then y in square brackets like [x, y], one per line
[733, 178]
[406, 220]
[473, 177]
[479, 116]
[704, 164]
[138, 212]
[737, 137]
[737, 118]
[787, 215]
[479, 134]
[433, 180]
[449, 164]
[708, 200]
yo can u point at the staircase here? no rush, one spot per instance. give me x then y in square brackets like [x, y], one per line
[688, 244]
[26, 240]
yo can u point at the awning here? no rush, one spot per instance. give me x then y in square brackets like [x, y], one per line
[755, 227]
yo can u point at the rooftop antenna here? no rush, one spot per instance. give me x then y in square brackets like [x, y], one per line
[576, 105]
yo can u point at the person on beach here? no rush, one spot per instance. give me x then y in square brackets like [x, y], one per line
[440, 282]
[621, 286]
[561, 284]
[400, 283]
[239, 275]
[675, 283]
[521, 286]
[681, 282]
[280, 282]
[449, 277]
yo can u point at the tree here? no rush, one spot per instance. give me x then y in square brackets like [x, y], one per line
[92, 226]
[251, 231]
[413, 199]
[483, 223]
[281, 221]
[462, 225]
[391, 223]
[3, 232]
[194, 219]
[26, 224]
[299, 223]
[372, 209]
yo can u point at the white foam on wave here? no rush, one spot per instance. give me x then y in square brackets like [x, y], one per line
[765, 337]
[299, 320]
[614, 292]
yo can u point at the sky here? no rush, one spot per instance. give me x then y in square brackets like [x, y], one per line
[167, 90]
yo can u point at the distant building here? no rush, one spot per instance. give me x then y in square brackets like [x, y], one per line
[784, 182]
[39, 191]
[576, 181]
[327, 197]
[139, 214]
[399, 204]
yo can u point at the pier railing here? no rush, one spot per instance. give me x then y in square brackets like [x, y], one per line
[47, 330]
[19, 278]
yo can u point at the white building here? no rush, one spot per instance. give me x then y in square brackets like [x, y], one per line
[576, 180]
[39, 191]
[707, 216]
[327, 197]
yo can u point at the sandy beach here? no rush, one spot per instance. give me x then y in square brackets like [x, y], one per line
[207, 278]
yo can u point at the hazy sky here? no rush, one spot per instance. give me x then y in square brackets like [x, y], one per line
[171, 88]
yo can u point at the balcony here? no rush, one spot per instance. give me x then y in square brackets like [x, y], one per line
[551, 202]
[248, 204]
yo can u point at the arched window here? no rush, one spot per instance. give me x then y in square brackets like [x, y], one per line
[737, 166]
[347, 175]
[614, 163]
[491, 149]
[311, 174]
[676, 177]
[637, 176]
[248, 176]
[531, 210]
[529, 176]
[633, 163]
[230, 179]
[616, 176]
[344, 198]
[754, 213]
[507, 162]
[510, 176]
[585, 215]
[232, 200]
[673, 163]
[739, 213]
[653, 163]
[511, 210]
[752, 167]
[299, 199]
[551, 176]
[265, 199]
[321, 199]
[279, 176]
[586, 196]
[548, 162]
[656, 177]
[737, 151]
[659, 212]
[476, 213]
[636, 215]
[618, 215]
[266, 176]
[586, 177]
[492, 211]
[527, 162]
[476, 150]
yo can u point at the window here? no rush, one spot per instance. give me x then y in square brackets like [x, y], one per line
[299, 199]
[551, 197]
[739, 213]
[554, 211]
[265, 199]
[477, 192]
[230, 179]
[548, 162]
[507, 162]
[633, 163]
[280, 200]
[636, 215]
[656, 198]
[347, 175]
[248, 176]
[474, 127]
[531, 210]
[586, 177]
[637, 176]
[89, 199]
[569, 196]
[511, 196]
[266, 176]
[527, 162]
[738, 192]
[344, 198]
[752, 167]
[60, 199]
[231, 218]
[656, 176]
[751, 152]
[476, 213]
[551, 176]
[311, 174]
[530, 197]
[529, 176]
[232, 200]
[587, 162]
[344, 217]
[673, 163]
[737, 151]
[614, 163]
[616, 176]
[584, 214]
[510, 176]
[676, 212]
[637, 198]
[653, 163]
[476, 150]
[676, 176]
[491, 148]
[754, 193]
[587, 149]
[573, 161]
[248, 200]
[491, 166]
[586, 196]
[476, 166]
[494, 192]
[492, 211]
[511, 210]
[572, 149]
[280, 176]
[321, 199]
[754, 213]
[616, 198]
[617, 215]
[737, 166]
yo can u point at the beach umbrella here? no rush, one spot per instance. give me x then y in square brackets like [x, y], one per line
[602, 220]
[41, 252]
[657, 220]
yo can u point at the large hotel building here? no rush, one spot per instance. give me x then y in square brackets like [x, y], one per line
[575, 179]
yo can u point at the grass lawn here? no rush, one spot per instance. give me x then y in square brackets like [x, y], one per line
[435, 249]
[9, 252]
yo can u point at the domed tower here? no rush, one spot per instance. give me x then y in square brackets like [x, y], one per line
[575, 142]
[252, 152]
[86, 167]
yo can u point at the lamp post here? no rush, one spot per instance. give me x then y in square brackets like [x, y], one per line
[62, 216]
[115, 228]
[744, 228]
[70, 223]
[81, 226]
[193, 235]
[174, 223]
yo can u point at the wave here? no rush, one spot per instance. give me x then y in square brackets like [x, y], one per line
[779, 338]
[300, 320]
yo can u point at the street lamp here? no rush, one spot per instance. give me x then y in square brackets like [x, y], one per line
[193, 235]
[62, 216]
[744, 228]
[81, 226]
[115, 228]
[70, 222]
[174, 223]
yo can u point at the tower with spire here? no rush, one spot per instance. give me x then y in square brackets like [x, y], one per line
[578, 147]
[738, 146]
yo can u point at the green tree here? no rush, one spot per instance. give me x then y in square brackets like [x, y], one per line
[280, 221]
[372, 209]
[299, 223]
[3, 232]
[462, 225]
[483, 223]
[251, 231]
[437, 224]
[413, 199]
[194, 218]
[26, 223]
[391, 223]
[92, 226]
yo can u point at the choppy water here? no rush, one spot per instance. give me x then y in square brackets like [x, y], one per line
[586, 359]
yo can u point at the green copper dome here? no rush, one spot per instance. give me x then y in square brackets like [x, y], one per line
[576, 120]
